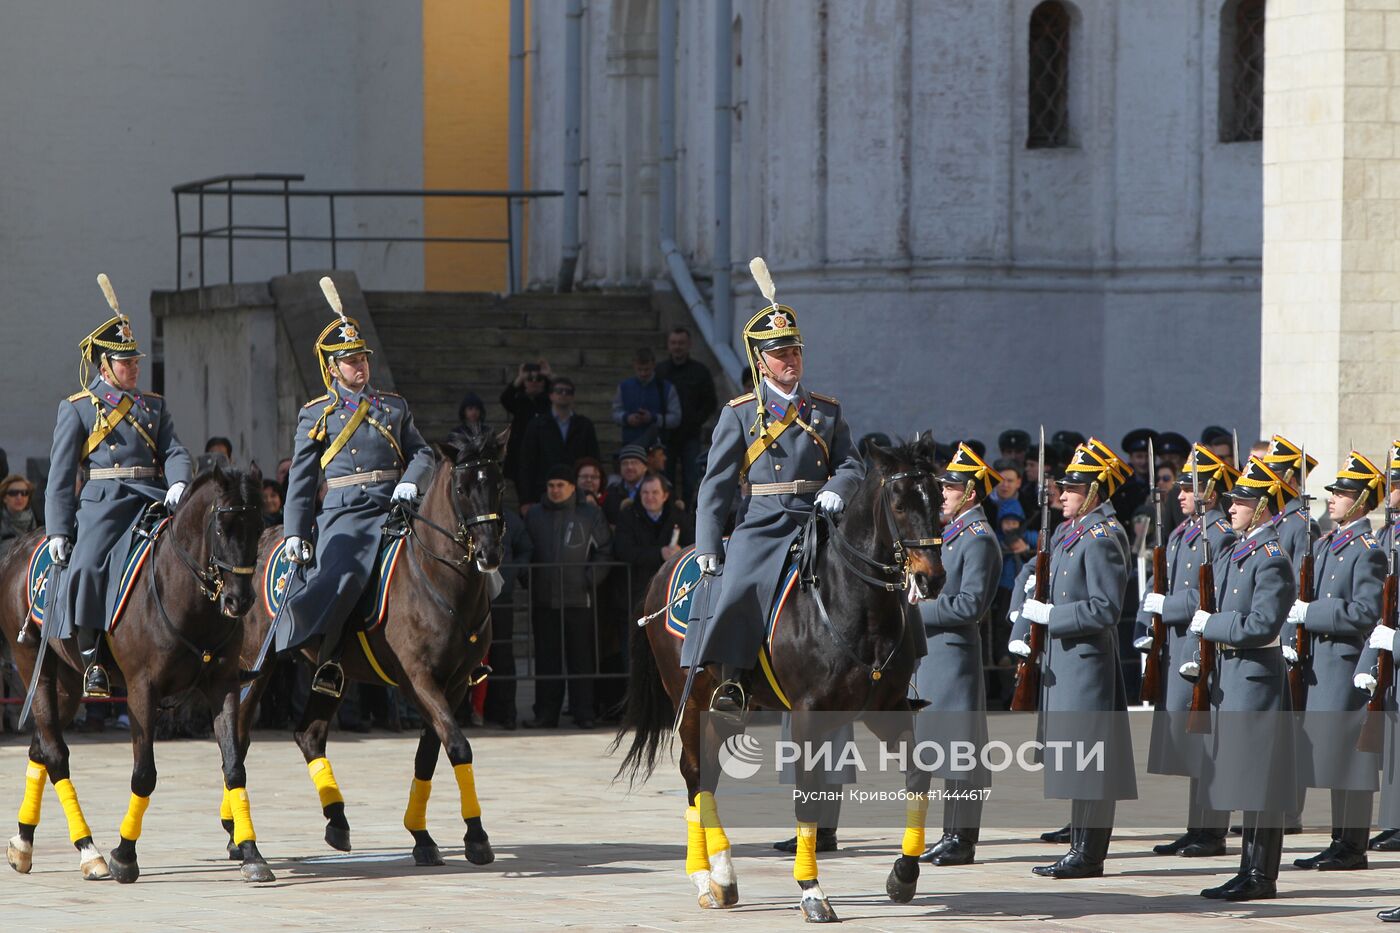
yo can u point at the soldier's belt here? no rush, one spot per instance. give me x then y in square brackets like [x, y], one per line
[123, 473]
[361, 479]
[1231, 650]
[798, 487]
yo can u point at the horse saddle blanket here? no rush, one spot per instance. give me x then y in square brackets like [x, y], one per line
[41, 571]
[373, 606]
[686, 576]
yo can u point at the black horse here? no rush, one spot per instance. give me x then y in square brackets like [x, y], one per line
[181, 630]
[848, 645]
[431, 646]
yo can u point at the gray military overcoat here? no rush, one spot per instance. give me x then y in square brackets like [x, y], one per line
[1388, 816]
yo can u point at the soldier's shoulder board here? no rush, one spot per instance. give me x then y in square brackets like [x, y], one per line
[824, 398]
[1100, 530]
[319, 400]
[1223, 526]
[743, 399]
[1369, 540]
[979, 528]
[76, 396]
[390, 395]
[1272, 549]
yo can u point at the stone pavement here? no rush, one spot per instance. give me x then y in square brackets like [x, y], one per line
[574, 850]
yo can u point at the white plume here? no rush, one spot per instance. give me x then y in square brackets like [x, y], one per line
[759, 269]
[333, 297]
[108, 292]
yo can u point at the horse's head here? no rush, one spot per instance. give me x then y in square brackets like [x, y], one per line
[908, 502]
[477, 484]
[232, 525]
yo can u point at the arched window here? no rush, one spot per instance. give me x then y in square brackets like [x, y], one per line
[1242, 71]
[1048, 112]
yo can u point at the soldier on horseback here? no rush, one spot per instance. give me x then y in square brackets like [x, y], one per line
[794, 455]
[364, 444]
[124, 441]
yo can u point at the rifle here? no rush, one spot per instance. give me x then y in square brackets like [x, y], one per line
[1198, 720]
[1302, 638]
[1027, 695]
[1370, 739]
[1151, 677]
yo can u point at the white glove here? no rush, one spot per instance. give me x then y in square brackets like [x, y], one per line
[173, 495]
[829, 501]
[1018, 648]
[708, 563]
[1297, 612]
[1364, 682]
[297, 550]
[1382, 638]
[1029, 587]
[404, 492]
[1144, 643]
[1190, 670]
[1198, 621]
[1036, 612]
[1152, 603]
[1290, 655]
[59, 548]
[1015, 614]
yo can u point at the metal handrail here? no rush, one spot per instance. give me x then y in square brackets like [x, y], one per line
[229, 187]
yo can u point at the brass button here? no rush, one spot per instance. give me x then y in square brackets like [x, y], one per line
[342, 417]
[777, 467]
[359, 469]
[819, 463]
[111, 446]
[354, 450]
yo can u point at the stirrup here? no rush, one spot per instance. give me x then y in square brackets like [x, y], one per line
[723, 703]
[95, 683]
[329, 680]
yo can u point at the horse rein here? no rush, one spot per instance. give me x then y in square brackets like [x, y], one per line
[462, 536]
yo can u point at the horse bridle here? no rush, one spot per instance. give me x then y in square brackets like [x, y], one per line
[462, 536]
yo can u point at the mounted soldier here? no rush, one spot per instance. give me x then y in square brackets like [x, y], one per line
[365, 446]
[124, 443]
[791, 449]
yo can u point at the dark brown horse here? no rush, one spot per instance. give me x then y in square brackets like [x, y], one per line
[181, 631]
[858, 655]
[434, 639]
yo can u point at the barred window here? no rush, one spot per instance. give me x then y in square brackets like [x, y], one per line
[1048, 111]
[1242, 71]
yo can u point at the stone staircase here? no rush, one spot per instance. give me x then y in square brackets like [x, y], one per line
[441, 344]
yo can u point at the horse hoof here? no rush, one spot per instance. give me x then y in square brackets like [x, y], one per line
[92, 864]
[427, 856]
[122, 872]
[816, 908]
[21, 855]
[903, 880]
[338, 837]
[724, 895]
[234, 855]
[256, 872]
[479, 853]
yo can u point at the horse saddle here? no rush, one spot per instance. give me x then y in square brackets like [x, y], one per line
[149, 526]
[373, 607]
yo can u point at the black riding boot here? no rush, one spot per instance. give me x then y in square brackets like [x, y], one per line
[329, 678]
[730, 700]
[95, 682]
[1265, 849]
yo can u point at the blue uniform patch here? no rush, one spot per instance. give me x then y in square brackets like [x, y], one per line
[1272, 549]
[1221, 524]
[1099, 531]
[979, 528]
[1369, 540]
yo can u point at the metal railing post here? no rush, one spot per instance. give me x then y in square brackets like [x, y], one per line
[228, 231]
[287, 221]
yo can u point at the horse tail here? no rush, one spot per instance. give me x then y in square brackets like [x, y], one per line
[648, 715]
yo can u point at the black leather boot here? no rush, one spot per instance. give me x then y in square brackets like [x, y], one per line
[1208, 842]
[1389, 916]
[1312, 861]
[1387, 840]
[329, 679]
[95, 681]
[730, 701]
[1176, 845]
[1057, 835]
[961, 849]
[1260, 880]
[1351, 852]
[1084, 858]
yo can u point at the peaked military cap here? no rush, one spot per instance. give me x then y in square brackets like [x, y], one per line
[1014, 439]
[775, 326]
[1284, 455]
[1210, 469]
[1215, 434]
[1358, 474]
[114, 339]
[967, 467]
[1136, 441]
[1095, 462]
[1259, 481]
[1172, 442]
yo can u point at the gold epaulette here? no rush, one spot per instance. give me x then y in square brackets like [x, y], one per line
[77, 395]
[741, 400]
[824, 398]
[317, 401]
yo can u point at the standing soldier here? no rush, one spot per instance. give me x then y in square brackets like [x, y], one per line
[1350, 572]
[1296, 529]
[1251, 763]
[125, 443]
[950, 677]
[1083, 697]
[364, 444]
[1367, 670]
[795, 453]
[1173, 750]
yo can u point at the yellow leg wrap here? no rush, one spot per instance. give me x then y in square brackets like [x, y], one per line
[697, 857]
[805, 867]
[915, 811]
[77, 826]
[324, 779]
[34, 777]
[715, 839]
[242, 816]
[225, 808]
[131, 824]
[415, 817]
[466, 785]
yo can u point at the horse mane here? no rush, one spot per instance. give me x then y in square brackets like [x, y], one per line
[242, 487]
[919, 453]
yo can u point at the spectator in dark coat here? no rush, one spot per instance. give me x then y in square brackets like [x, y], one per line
[559, 436]
[471, 414]
[632, 469]
[16, 516]
[565, 532]
[589, 475]
[523, 399]
[695, 386]
[649, 532]
[646, 406]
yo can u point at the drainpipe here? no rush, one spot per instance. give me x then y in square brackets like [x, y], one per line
[516, 135]
[573, 107]
[666, 81]
[724, 109]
